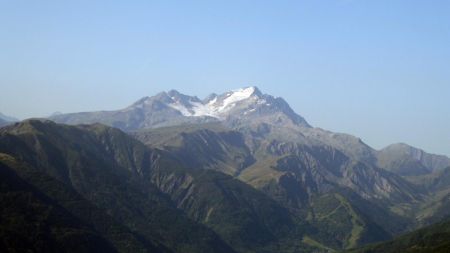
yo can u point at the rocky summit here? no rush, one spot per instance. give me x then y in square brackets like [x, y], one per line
[173, 108]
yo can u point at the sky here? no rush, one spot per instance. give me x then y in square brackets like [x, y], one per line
[376, 69]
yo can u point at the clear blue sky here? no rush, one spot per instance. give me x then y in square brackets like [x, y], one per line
[378, 69]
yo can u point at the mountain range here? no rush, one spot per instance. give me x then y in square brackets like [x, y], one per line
[236, 172]
[5, 120]
[173, 108]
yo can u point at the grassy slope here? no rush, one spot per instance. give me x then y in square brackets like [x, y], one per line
[432, 239]
[31, 221]
[124, 179]
[99, 164]
[283, 186]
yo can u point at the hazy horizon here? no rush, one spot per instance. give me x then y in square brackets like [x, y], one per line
[374, 69]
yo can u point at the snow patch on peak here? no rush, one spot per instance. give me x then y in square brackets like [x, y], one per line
[215, 106]
[236, 96]
[212, 101]
[244, 92]
[181, 108]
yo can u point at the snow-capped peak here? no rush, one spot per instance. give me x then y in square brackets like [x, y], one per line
[239, 105]
[214, 106]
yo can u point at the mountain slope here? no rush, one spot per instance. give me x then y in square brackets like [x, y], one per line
[432, 239]
[103, 166]
[30, 221]
[297, 176]
[63, 220]
[208, 146]
[143, 190]
[409, 161]
[318, 168]
[437, 204]
[244, 217]
[211, 198]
